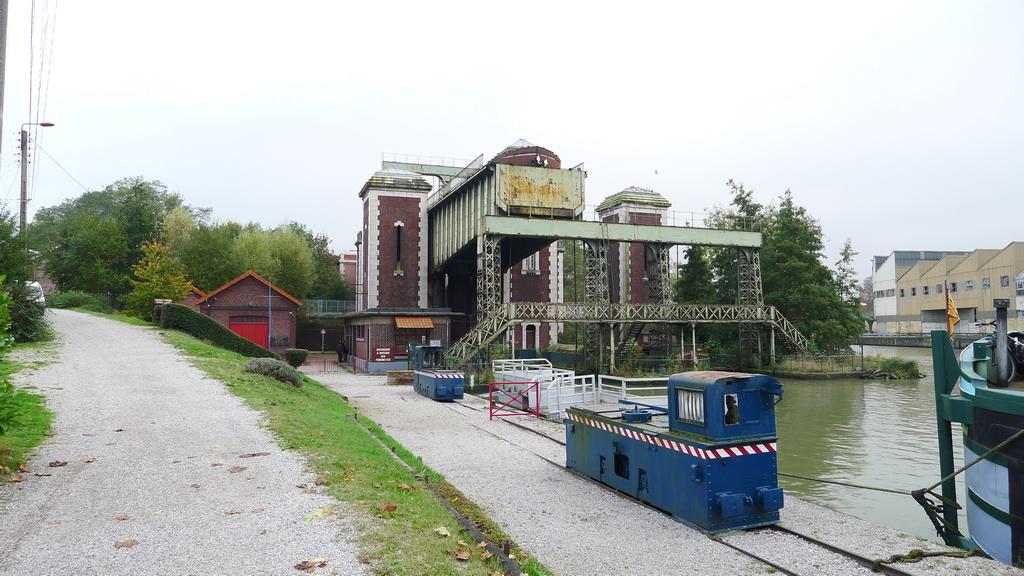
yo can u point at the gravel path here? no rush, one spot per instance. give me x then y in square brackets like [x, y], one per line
[576, 527]
[147, 436]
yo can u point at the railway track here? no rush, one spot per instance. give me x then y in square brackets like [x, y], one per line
[863, 563]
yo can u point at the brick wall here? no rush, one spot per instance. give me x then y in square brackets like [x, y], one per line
[398, 290]
[249, 298]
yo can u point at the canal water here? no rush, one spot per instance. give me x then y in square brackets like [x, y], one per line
[870, 432]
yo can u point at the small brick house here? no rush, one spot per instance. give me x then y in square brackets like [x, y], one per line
[252, 307]
[194, 296]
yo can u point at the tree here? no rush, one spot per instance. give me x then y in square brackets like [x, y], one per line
[292, 261]
[846, 276]
[328, 283]
[694, 282]
[158, 274]
[89, 255]
[177, 227]
[14, 260]
[208, 255]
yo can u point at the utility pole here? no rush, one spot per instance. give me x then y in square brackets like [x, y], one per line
[24, 182]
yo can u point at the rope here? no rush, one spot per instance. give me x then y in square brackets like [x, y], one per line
[848, 484]
[995, 448]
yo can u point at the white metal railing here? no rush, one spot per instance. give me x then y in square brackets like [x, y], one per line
[652, 390]
[424, 159]
[562, 393]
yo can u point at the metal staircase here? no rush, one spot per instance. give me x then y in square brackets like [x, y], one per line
[494, 324]
[629, 332]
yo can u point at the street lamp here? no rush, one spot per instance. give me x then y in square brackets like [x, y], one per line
[24, 173]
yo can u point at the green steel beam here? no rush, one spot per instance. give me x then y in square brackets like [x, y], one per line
[580, 230]
[445, 172]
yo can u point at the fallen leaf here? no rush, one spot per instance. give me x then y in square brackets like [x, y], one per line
[257, 510]
[232, 512]
[378, 485]
[193, 485]
[320, 481]
[217, 464]
[495, 574]
[321, 513]
[121, 517]
[23, 468]
[309, 490]
[309, 566]
[404, 486]
[481, 544]
[125, 543]
[463, 555]
[387, 507]
[254, 454]
[461, 543]
[442, 531]
[511, 556]
[118, 429]
[236, 469]
[42, 474]
[485, 555]
[89, 460]
[58, 463]
[16, 478]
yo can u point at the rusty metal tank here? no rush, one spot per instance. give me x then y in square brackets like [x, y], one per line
[530, 182]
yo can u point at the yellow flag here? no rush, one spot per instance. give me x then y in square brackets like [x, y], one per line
[952, 317]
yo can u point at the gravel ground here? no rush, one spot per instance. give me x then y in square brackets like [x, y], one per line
[575, 527]
[147, 436]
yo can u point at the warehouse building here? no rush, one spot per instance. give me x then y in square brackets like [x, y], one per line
[910, 288]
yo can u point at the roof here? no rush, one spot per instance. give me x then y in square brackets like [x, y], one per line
[197, 291]
[396, 178]
[634, 195]
[258, 278]
[413, 322]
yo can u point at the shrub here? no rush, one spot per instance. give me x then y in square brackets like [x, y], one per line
[28, 323]
[295, 356]
[76, 299]
[8, 407]
[205, 328]
[275, 369]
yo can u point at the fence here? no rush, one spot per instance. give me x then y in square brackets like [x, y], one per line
[650, 390]
[328, 307]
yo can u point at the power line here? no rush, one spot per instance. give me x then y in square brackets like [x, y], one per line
[48, 155]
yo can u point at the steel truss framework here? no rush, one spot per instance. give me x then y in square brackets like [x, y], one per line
[596, 287]
[488, 278]
[598, 313]
[749, 292]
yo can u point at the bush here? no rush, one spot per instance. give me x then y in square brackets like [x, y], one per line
[8, 407]
[76, 299]
[205, 328]
[275, 369]
[28, 323]
[295, 356]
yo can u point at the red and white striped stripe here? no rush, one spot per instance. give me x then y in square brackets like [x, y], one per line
[440, 375]
[703, 454]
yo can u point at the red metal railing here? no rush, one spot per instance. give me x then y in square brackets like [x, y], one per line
[513, 399]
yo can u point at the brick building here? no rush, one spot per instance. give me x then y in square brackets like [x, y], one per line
[391, 293]
[193, 298]
[253, 308]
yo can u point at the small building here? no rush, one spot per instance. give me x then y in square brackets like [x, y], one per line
[194, 296]
[254, 309]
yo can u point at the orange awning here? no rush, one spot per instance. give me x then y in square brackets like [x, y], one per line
[414, 322]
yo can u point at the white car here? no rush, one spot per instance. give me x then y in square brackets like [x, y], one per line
[36, 291]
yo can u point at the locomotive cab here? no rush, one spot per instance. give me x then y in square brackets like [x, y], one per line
[708, 458]
[431, 379]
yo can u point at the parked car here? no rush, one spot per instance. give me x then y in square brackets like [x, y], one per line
[36, 290]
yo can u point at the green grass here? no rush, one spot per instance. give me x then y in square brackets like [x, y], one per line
[356, 469]
[134, 321]
[33, 420]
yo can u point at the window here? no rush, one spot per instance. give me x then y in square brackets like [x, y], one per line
[986, 282]
[968, 284]
[924, 290]
[938, 288]
[360, 332]
[1004, 281]
[913, 291]
[1020, 284]
[690, 405]
[902, 292]
[890, 292]
[399, 226]
[531, 264]
[732, 409]
[952, 287]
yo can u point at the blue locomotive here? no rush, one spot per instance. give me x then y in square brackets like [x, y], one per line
[708, 459]
[430, 379]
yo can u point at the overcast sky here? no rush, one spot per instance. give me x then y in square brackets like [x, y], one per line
[884, 119]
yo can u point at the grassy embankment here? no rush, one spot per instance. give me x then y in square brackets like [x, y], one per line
[32, 420]
[355, 468]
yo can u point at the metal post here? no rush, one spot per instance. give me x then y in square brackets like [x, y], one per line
[941, 347]
[693, 342]
[3, 58]
[772, 338]
[611, 348]
[682, 344]
[23, 219]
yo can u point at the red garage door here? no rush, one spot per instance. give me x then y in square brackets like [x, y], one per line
[252, 331]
